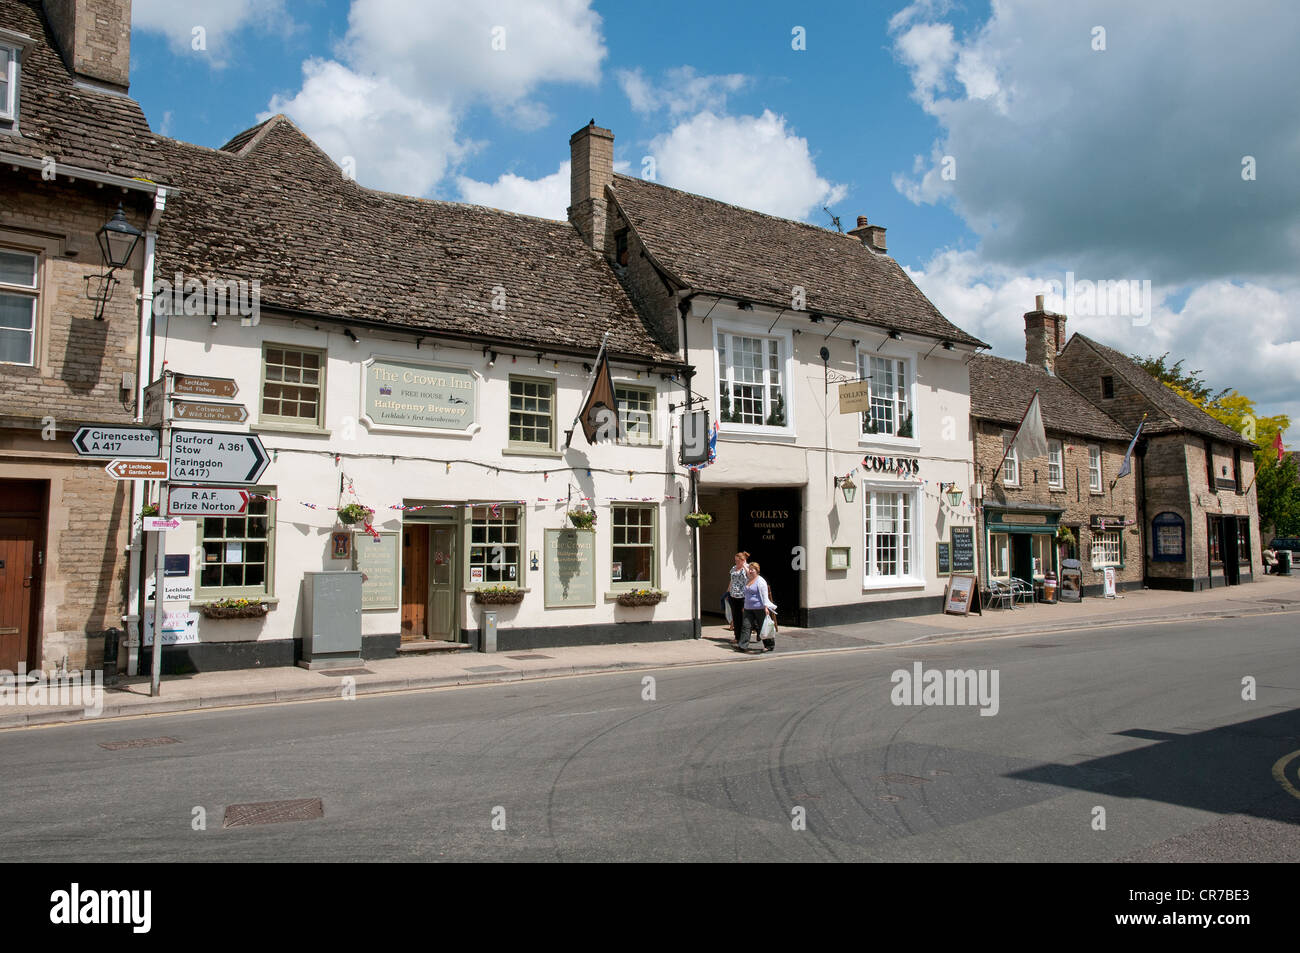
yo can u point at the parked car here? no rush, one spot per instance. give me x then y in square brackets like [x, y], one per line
[1286, 542]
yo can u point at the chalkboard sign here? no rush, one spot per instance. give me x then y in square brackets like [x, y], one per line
[961, 591]
[570, 562]
[377, 560]
[963, 549]
[943, 558]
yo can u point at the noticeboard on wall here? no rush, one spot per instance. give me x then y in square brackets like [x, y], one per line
[1168, 538]
[963, 549]
[376, 558]
[943, 558]
[570, 562]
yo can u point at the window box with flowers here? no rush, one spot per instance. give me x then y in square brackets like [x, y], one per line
[499, 595]
[234, 609]
[640, 597]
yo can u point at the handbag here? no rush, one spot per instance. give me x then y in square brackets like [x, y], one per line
[769, 628]
[726, 608]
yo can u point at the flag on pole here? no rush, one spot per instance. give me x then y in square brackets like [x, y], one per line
[1031, 439]
[599, 413]
[1277, 445]
[1125, 468]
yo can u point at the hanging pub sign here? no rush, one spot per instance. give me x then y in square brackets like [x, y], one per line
[695, 438]
[1168, 538]
[855, 397]
[410, 395]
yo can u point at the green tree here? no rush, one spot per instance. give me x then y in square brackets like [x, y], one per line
[1279, 497]
[1188, 383]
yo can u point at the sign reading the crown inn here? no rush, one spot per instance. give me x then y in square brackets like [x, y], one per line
[411, 395]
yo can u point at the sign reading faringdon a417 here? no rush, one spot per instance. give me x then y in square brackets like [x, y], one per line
[411, 395]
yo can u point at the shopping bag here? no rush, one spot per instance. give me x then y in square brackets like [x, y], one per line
[726, 608]
[769, 628]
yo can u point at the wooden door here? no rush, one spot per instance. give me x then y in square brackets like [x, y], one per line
[442, 584]
[19, 586]
[415, 582]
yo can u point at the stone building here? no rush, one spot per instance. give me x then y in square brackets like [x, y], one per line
[1197, 501]
[1068, 504]
[71, 143]
[773, 315]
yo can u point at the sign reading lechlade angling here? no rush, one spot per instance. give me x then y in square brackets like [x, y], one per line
[855, 397]
[206, 501]
[424, 396]
[206, 456]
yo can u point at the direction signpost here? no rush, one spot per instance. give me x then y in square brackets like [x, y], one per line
[215, 457]
[137, 469]
[184, 385]
[206, 501]
[117, 442]
[214, 413]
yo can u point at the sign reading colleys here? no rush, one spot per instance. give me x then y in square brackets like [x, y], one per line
[904, 466]
[855, 397]
[411, 395]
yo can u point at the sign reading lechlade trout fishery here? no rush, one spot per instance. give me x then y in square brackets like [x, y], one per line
[406, 394]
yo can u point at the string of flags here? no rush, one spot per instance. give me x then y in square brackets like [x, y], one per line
[494, 506]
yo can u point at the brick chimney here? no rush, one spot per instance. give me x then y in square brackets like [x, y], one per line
[1044, 336]
[873, 236]
[94, 37]
[591, 150]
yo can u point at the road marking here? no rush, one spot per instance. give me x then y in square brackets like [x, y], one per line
[1279, 772]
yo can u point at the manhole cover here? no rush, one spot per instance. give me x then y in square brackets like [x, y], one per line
[273, 812]
[487, 668]
[888, 797]
[337, 672]
[531, 655]
[138, 743]
[902, 779]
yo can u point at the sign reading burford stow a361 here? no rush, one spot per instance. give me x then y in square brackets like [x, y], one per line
[410, 395]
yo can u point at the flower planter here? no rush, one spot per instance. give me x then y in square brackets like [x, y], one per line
[640, 598]
[582, 519]
[234, 612]
[490, 598]
[698, 520]
[354, 513]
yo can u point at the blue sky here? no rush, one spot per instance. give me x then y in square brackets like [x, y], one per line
[1002, 145]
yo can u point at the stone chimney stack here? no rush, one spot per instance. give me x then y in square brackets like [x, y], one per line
[1044, 336]
[873, 236]
[94, 37]
[591, 150]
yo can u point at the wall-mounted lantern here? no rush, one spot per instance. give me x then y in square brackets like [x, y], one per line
[117, 240]
[846, 486]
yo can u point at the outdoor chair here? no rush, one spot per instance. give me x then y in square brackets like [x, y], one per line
[1021, 591]
[999, 593]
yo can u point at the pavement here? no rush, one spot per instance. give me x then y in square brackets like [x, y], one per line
[211, 690]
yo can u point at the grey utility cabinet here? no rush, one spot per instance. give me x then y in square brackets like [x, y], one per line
[331, 619]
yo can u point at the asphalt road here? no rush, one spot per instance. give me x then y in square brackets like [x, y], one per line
[1146, 723]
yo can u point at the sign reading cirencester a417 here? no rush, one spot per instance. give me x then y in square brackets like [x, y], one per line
[117, 442]
[207, 456]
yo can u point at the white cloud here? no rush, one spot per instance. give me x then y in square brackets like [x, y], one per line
[682, 90]
[752, 161]
[547, 197]
[407, 71]
[219, 21]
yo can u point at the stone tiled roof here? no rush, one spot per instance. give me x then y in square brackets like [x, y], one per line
[710, 246]
[1000, 391]
[271, 206]
[1173, 412]
[67, 120]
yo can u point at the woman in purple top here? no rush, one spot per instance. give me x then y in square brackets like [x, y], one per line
[757, 605]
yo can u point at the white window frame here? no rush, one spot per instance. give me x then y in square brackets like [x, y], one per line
[653, 546]
[1055, 458]
[205, 593]
[275, 420]
[996, 555]
[915, 574]
[1107, 549]
[495, 533]
[9, 103]
[32, 292]
[732, 330]
[529, 445]
[903, 394]
[1094, 471]
[1010, 464]
[644, 435]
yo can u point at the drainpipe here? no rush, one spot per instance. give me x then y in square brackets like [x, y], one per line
[144, 374]
[684, 307]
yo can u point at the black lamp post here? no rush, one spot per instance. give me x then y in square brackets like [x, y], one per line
[117, 240]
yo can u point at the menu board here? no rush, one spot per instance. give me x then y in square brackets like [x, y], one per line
[943, 558]
[413, 395]
[963, 549]
[376, 558]
[961, 590]
[570, 561]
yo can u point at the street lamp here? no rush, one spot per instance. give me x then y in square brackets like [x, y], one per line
[954, 495]
[117, 240]
[847, 487]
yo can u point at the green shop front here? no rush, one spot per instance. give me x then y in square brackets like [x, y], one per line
[1020, 541]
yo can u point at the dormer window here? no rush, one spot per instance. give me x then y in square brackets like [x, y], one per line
[1107, 387]
[8, 84]
[620, 247]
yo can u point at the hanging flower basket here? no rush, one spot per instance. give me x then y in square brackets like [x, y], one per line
[698, 520]
[234, 609]
[354, 513]
[582, 519]
[149, 509]
[641, 597]
[499, 596]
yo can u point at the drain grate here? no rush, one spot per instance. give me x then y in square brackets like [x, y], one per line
[337, 672]
[138, 743]
[902, 779]
[530, 655]
[273, 812]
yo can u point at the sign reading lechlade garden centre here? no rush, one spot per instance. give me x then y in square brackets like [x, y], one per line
[570, 564]
[421, 396]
